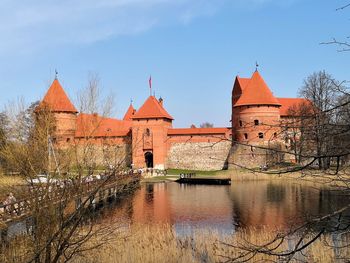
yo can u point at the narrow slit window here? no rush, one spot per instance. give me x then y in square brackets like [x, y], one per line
[240, 123]
[246, 136]
[261, 135]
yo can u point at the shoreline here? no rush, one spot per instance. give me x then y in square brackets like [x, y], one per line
[237, 175]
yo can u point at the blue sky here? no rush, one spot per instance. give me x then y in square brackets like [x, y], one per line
[193, 49]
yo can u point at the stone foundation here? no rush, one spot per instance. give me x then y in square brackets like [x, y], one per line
[251, 156]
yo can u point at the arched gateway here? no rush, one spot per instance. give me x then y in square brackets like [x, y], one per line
[149, 159]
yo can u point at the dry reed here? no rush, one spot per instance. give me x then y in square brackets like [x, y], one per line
[160, 243]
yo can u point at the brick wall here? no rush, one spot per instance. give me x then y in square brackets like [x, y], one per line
[246, 130]
[65, 126]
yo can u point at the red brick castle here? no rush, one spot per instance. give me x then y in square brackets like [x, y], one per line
[145, 137]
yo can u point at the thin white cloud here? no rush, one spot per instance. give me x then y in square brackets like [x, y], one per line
[26, 25]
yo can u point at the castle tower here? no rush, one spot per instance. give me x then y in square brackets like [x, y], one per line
[129, 113]
[150, 126]
[64, 111]
[255, 122]
[255, 111]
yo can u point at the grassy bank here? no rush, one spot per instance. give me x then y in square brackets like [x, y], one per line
[177, 172]
[160, 179]
[173, 174]
[161, 244]
[235, 174]
[306, 176]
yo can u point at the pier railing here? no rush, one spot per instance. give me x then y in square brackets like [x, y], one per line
[61, 191]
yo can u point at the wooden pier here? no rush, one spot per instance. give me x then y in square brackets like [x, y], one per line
[21, 209]
[193, 179]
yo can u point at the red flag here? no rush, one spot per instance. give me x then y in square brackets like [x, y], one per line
[150, 82]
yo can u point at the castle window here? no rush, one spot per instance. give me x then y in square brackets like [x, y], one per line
[256, 122]
[275, 135]
[261, 135]
[68, 140]
[246, 136]
[148, 132]
[240, 123]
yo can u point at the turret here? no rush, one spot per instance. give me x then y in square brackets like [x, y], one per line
[255, 111]
[150, 125]
[64, 111]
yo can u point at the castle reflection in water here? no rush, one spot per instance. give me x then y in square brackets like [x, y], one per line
[258, 204]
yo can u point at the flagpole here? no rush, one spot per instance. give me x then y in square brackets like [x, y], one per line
[150, 85]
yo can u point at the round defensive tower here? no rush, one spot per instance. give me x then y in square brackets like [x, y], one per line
[64, 111]
[255, 111]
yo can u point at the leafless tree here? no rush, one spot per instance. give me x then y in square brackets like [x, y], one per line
[206, 125]
[322, 91]
[343, 45]
[296, 130]
[59, 208]
[320, 133]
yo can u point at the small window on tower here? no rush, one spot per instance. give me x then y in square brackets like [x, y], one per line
[275, 135]
[256, 122]
[68, 140]
[261, 135]
[246, 136]
[240, 123]
[148, 132]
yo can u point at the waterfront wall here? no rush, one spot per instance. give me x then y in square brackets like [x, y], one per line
[255, 155]
[199, 155]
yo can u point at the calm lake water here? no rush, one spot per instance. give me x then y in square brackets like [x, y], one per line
[267, 204]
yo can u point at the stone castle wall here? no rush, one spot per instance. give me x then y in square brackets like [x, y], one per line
[199, 155]
[255, 155]
[116, 153]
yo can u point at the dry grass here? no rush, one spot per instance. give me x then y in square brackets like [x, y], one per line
[10, 183]
[142, 243]
[340, 180]
[11, 180]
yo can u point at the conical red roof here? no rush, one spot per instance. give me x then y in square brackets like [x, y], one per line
[255, 92]
[151, 109]
[129, 113]
[57, 99]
